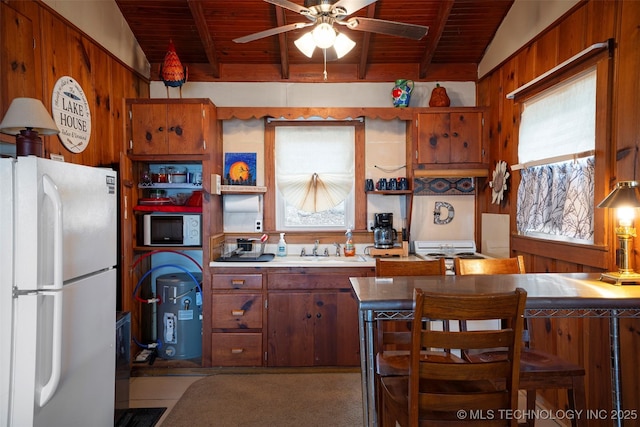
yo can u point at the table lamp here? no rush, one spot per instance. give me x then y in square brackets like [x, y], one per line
[26, 118]
[624, 198]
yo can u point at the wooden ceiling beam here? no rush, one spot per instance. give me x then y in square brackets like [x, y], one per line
[195, 6]
[366, 40]
[435, 33]
[283, 42]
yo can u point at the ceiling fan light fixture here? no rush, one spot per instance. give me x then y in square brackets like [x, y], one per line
[324, 35]
[306, 44]
[343, 45]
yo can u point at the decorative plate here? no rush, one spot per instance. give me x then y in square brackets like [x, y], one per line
[499, 182]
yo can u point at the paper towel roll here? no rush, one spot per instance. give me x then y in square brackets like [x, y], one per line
[241, 203]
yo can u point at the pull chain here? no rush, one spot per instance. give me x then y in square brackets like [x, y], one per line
[324, 55]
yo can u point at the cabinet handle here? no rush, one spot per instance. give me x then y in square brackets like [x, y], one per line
[237, 350]
[176, 129]
[238, 312]
[446, 135]
[319, 315]
[237, 282]
[308, 315]
[455, 134]
[148, 136]
[160, 129]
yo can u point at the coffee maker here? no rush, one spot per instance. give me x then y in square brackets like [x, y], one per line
[383, 232]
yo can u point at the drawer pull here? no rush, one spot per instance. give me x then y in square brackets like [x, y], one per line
[237, 282]
[237, 312]
[237, 350]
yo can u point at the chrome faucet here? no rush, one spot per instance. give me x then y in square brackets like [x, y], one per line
[337, 245]
[315, 247]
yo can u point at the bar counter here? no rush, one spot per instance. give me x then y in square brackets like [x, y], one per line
[548, 295]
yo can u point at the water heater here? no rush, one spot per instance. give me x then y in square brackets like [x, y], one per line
[179, 315]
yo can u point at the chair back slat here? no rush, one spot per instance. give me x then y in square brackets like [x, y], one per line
[391, 267]
[464, 266]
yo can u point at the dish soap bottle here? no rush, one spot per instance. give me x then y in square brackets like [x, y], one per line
[282, 246]
[349, 248]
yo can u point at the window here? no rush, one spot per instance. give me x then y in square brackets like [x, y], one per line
[314, 176]
[557, 139]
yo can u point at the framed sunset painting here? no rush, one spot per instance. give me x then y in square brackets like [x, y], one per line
[240, 169]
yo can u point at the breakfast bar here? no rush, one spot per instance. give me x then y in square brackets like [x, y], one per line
[548, 295]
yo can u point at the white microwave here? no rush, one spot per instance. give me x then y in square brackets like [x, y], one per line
[172, 229]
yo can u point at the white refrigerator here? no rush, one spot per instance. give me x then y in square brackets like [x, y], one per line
[58, 252]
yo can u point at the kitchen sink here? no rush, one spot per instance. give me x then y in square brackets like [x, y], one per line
[325, 259]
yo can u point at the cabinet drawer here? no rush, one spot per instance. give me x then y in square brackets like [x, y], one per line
[236, 349]
[309, 281]
[236, 311]
[236, 281]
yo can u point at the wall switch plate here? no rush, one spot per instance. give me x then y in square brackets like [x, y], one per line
[258, 225]
[370, 225]
[216, 184]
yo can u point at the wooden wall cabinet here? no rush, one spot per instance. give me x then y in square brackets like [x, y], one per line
[165, 126]
[191, 152]
[449, 136]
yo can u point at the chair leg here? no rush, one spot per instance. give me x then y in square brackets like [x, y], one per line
[531, 407]
[578, 401]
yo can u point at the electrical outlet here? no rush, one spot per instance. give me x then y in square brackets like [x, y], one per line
[370, 225]
[258, 225]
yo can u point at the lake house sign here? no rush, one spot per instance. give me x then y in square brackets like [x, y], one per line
[71, 114]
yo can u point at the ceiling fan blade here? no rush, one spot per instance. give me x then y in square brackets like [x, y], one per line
[291, 6]
[352, 6]
[391, 28]
[272, 31]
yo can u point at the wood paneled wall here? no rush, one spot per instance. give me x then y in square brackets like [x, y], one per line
[581, 340]
[38, 47]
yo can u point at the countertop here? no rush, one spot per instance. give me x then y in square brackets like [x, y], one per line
[359, 260]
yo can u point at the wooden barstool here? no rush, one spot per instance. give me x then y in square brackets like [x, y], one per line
[442, 388]
[394, 337]
[538, 370]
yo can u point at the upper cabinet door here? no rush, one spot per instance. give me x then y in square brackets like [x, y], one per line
[185, 128]
[466, 137]
[434, 139]
[163, 128]
[149, 129]
[452, 137]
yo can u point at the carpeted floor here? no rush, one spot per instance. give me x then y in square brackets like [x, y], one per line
[282, 399]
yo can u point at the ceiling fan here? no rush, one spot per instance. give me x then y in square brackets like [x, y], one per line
[323, 14]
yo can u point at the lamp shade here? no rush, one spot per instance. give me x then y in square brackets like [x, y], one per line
[626, 194]
[28, 113]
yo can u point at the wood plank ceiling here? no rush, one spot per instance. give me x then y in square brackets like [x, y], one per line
[203, 32]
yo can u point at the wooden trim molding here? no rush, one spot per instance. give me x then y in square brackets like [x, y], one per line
[593, 256]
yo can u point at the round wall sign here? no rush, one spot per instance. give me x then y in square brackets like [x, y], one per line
[71, 114]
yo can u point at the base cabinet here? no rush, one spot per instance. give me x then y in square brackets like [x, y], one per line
[312, 318]
[284, 317]
[312, 329]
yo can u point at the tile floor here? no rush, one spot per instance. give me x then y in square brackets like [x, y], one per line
[158, 392]
[153, 392]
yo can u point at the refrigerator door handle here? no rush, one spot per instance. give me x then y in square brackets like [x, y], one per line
[46, 392]
[51, 191]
